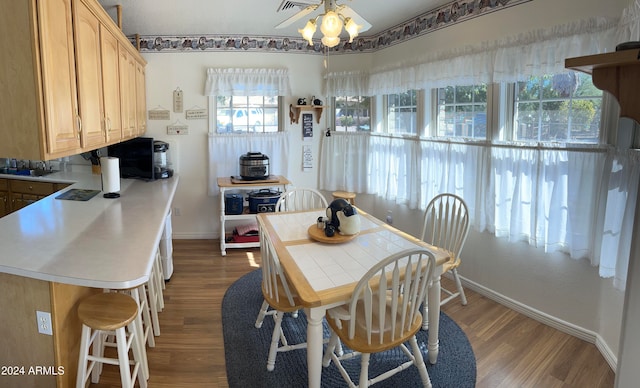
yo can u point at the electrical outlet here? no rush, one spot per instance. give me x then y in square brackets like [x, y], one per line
[43, 319]
[176, 211]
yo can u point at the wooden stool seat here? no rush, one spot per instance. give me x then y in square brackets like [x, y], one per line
[107, 311]
[347, 195]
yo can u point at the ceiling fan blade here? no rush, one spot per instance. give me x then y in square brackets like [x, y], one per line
[304, 12]
[347, 11]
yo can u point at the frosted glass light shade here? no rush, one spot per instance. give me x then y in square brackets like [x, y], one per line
[352, 28]
[330, 41]
[331, 24]
[308, 31]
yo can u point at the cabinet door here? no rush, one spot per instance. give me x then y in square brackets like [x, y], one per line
[4, 197]
[19, 200]
[4, 203]
[141, 99]
[58, 76]
[127, 92]
[89, 73]
[110, 85]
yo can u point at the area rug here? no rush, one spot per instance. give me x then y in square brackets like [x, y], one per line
[246, 349]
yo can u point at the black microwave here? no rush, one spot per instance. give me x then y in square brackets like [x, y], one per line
[136, 158]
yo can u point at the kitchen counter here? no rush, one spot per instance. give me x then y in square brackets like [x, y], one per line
[102, 243]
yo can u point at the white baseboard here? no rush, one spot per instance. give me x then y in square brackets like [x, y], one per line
[549, 320]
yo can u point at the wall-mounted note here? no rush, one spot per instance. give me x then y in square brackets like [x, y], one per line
[195, 114]
[159, 114]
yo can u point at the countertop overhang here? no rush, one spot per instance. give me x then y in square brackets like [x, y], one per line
[102, 242]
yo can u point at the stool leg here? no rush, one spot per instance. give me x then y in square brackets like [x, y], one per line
[82, 358]
[153, 306]
[160, 284]
[97, 351]
[146, 317]
[139, 355]
[139, 334]
[123, 356]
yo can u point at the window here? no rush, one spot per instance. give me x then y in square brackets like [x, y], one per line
[401, 112]
[353, 113]
[557, 108]
[462, 111]
[243, 114]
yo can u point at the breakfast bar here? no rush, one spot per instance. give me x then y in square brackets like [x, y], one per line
[58, 251]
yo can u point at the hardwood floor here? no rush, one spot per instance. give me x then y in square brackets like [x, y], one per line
[511, 349]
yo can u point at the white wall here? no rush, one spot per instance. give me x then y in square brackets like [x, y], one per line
[555, 285]
[199, 213]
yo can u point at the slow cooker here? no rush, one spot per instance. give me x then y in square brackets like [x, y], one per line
[263, 200]
[254, 166]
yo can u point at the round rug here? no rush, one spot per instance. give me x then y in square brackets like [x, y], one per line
[246, 349]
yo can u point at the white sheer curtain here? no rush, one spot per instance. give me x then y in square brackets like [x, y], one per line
[348, 83]
[547, 197]
[621, 188]
[344, 161]
[247, 82]
[578, 201]
[506, 60]
[225, 151]
[393, 169]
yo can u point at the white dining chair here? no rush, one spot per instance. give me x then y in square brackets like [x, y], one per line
[278, 300]
[446, 225]
[301, 199]
[292, 200]
[383, 313]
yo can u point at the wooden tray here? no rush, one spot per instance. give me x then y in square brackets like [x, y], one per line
[318, 234]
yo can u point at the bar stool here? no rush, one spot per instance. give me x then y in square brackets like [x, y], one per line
[347, 195]
[101, 315]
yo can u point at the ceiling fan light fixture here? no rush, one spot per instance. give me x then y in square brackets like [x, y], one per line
[308, 31]
[352, 28]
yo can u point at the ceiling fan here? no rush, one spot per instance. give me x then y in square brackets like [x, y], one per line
[334, 17]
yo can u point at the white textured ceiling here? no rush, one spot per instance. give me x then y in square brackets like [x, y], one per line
[250, 17]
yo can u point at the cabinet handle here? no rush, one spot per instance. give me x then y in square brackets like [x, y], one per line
[108, 121]
[79, 122]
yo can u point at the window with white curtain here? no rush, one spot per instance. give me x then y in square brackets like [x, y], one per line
[246, 114]
[564, 107]
[244, 105]
[401, 113]
[545, 174]
[352, 113]
[462, 111]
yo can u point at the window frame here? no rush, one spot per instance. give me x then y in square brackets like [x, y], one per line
[213, 118]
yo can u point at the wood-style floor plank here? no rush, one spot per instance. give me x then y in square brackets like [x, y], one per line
[511, 349]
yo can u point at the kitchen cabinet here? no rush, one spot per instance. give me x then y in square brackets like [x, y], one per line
[128, 93]
[4, 198]
[61, 81]
[227, 184]
[141, 99]
[89, 75]
[59, 92]
[23, 192]
[111, 85]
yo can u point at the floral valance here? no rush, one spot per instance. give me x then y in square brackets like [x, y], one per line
[247, 82]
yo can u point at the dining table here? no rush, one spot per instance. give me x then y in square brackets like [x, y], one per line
[323, 271]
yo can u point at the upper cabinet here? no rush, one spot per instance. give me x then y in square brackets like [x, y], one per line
[62, 75]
